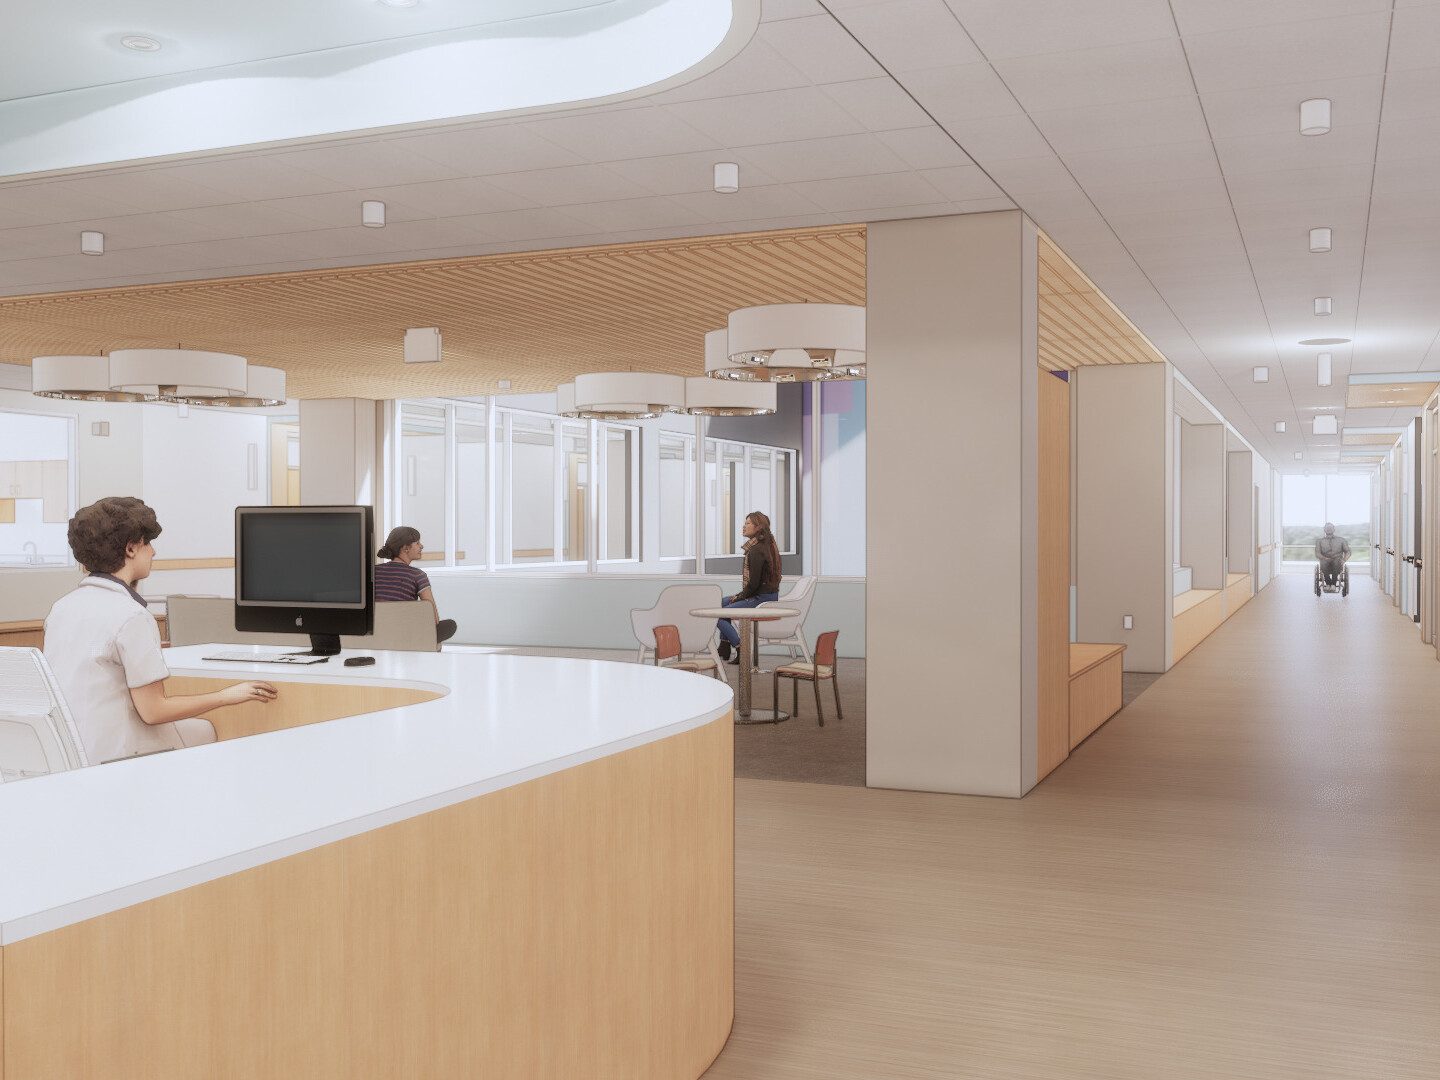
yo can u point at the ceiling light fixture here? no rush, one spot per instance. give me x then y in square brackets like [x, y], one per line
[1280, 426]
[727, 177]
[1322, 373]
[1326, 341]
[264, 387]
[1298, 455]
[92, 243]
[1322, 305]
[628, 395]
[1319, 239]
[422, 345]
[399, 3]
[1261, 374]
[188, 375]
[793, 343]
[77, 378]
[565, 401]
[713, 396]
[1315, 116]
[140, 43]
[1325, 425]
[372, 214]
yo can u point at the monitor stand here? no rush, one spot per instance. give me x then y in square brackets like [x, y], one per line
[323, 645]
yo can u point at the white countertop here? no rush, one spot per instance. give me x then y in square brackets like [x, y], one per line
[79, 844]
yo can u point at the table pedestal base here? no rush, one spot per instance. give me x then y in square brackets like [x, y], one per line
[762, 716]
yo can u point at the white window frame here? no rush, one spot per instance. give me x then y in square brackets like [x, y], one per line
[691, 492]
[748, 447]
[602, 502]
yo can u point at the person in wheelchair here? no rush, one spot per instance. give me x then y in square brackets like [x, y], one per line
[1332, 553]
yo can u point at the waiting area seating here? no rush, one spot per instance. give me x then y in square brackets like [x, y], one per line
[668, 654]
[788, 631]
[672, 608]
[821, 669]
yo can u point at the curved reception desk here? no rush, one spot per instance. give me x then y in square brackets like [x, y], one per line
[444, 865]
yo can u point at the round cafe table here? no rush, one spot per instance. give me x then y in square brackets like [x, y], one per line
[744, 714]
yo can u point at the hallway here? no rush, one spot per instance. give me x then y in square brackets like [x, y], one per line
[1237, 876]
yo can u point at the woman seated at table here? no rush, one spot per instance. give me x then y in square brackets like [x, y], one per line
[759, 578]
[104, 647]
[398, 580]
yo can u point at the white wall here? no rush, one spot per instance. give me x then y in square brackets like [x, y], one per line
[338, 452]
[953, 413]
[1124, 527]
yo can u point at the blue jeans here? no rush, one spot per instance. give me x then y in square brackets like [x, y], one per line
[727, 628]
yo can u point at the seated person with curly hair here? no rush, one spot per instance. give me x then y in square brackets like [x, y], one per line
[104, 647]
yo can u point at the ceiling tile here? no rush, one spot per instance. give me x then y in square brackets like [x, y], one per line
[1206, 16]
[774, 116]
[1407, 140]
[443, 198]
[908, 35]
[55, 202]
[820, 49]
[1026, 176]
[964, 184]
[146, 190]
[572, 184]
[819, 159]
[490, 149]
[1032, 27]
[1266, 110]
[879, 104]
[963, 92]
[1411, 95]
[262, 176]
[774, 10]
[998, 138]
[1050, 208]
[368, 163]
[867, 192]
[684, 173]
[209, 224]
[756, 69]
[530, 226]
[654, 212]
[1124, 125]
[1173, 161]
[630, 133]
[1100, 76]
[1412, 41]
[1126, 193]
[341, 209]
[1392, 177]
[749, 203]
[925, 148]
[1318, 49]
[1284, 186]
[1352, 145]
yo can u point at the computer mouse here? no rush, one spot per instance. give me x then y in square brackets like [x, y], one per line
[358, 661]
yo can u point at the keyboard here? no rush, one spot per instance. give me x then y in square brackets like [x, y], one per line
[268, 657]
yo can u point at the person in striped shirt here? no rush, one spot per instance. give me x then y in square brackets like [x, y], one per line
[398, 580]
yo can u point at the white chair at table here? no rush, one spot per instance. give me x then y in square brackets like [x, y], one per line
[697, 636]
[37, 733]
[789, 631]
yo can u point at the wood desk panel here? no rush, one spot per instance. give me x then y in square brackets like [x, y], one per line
[297, 705]
[578, 924]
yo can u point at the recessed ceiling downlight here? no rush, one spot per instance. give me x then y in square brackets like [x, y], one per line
[140, 43]
[400, 3]
[1326, 341]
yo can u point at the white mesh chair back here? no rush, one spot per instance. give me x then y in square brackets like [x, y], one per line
[673, 609]
[37, 733]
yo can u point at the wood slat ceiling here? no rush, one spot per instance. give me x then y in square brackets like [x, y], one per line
[1369, 439]
[1078, 323]
[1387, 394]
[536, 318]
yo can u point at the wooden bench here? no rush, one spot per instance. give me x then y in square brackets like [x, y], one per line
[1198, 613]
[1095, 687]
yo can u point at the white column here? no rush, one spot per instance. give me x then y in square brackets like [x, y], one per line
[338, 452]
[952, 504]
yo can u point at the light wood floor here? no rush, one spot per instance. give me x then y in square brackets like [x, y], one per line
[1237, 877]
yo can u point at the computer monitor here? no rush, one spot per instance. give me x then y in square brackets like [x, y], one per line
[305, 570]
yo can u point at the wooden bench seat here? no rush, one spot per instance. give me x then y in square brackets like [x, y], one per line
[1095, 687]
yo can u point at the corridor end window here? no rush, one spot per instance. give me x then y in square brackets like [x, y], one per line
[37, 484]
[741, 478]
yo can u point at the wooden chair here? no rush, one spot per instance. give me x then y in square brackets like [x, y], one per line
[667, 647]
[823, 668]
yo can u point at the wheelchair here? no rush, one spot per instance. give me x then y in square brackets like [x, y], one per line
[1333, 582]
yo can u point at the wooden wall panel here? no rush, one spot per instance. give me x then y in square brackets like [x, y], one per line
[580, 924]
[1053, 744]
[1238, 591]
[1197, 614]
[1095, 695]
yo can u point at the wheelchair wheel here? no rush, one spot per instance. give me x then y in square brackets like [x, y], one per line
[1345, 582]
[1317, 581]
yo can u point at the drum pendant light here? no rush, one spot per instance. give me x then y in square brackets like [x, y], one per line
[628, 395]
[796, 343]
[722, 394]
[179, 374]
[79, 378]
[265, 386]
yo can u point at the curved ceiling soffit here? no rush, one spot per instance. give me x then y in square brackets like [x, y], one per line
[587, 56]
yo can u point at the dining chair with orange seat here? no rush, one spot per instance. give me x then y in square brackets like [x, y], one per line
[667, 647]
[823, 668]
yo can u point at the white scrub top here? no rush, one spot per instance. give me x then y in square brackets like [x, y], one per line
[100, 642]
